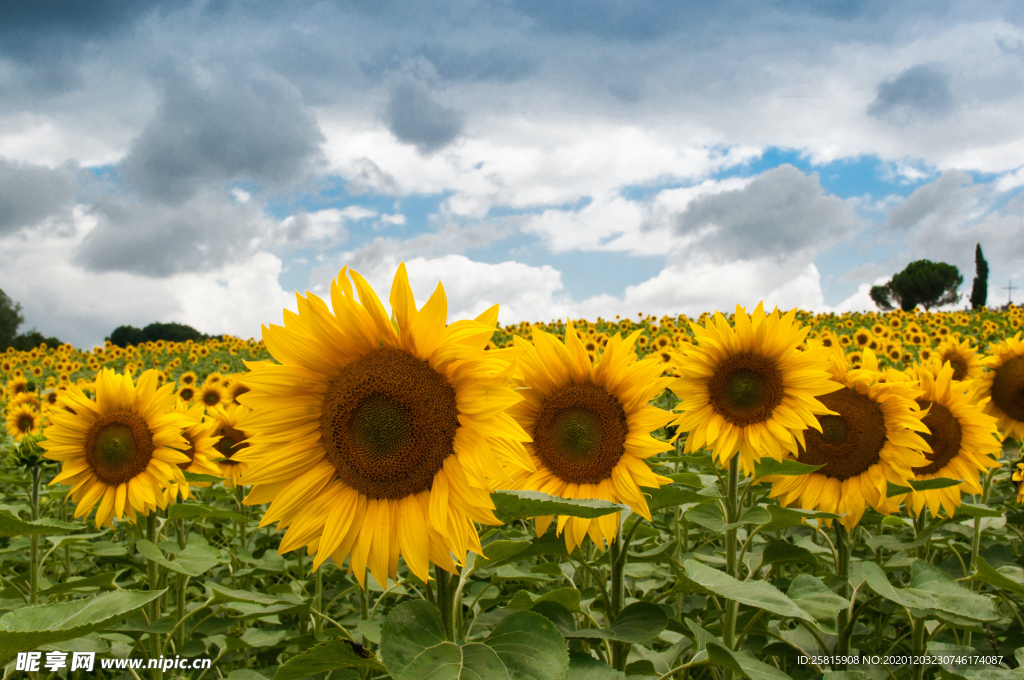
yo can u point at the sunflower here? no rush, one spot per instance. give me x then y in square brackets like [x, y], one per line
[22, 420]
[376, 438]
[118, 450]
[17, 385]
[211, 394]
[870, 439]
[590, 425]
[749, 388]
[1018, 476]
[187, 394]
[1003, 383]
[963, 439]
[188, 378]
[200, 440]
[231, 440]
[965, 360]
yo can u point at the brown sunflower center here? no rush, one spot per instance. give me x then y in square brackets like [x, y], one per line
[944, 438]
[26, 422]
[849, 443]
[388, 423]
[746, 389]
[186, 393]
[580, 433]
[211, 397]
[118, 447]
[232, 440]
[1008, 388]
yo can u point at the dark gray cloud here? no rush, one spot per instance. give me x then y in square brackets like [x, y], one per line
[779, 213]
[921, 91]
[222, 127]
[415, 118]
[157, 240]
[945, 201]
[31, 193]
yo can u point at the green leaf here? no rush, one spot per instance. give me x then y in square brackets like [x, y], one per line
[931, 590]
[194, 510]
[817, 599]
[672, 495]
[327, 656]
[758, 594]
[223, 594]
[638, 622]
[657, 554]
[783, 552]
[257, 637]
[714, 650]
[586, 667]
[513, 505]
[845, 675]
[921, 485]
[524, 645]
[28, 627]
[710, 517]
[785, 468]
[11, 525]
[197, 477]
[192, 561]
[103, 581]
[783, 518]
[969, 510]
[986, 573]
[524, 600]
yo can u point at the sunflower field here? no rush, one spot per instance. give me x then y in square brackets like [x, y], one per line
[371, 494]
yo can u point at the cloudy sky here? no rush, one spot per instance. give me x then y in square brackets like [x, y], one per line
[201, 161]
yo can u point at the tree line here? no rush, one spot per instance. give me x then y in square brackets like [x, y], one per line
[932, 284]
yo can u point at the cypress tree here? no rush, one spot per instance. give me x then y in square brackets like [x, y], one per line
[979, 291]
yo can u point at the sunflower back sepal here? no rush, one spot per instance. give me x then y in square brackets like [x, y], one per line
[913, 485]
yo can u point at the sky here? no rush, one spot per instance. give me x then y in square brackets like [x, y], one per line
[201, 162]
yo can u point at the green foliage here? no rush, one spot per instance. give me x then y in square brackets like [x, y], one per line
[10, 319]
[122, 336]
[979, 288]
[24, 342]
[922, 282]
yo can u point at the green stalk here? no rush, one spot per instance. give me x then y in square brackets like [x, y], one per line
[151, 584]
[976, 544]
[917, 647]
[731, 565]
[845, 627]
[318, 601]
[445, 595]
[617, 561]
[180, 525]
[33, 577]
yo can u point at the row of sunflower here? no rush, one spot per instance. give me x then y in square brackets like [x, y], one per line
[375, 439]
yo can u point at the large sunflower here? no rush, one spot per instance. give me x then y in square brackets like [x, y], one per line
[963, 439]
[749, 388]
[591, 425]
[869, 439]
[22, 420]
[201, 441]
[966, 362]
[1003, 384]
[120, 449]
[380, 437]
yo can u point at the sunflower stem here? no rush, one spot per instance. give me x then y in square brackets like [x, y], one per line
[318, 601]
[731, 566]
[617, 561]
[182, 541]
[33, 577]
[844, 627]
[917, 647]
[151, 584]
[445, 604]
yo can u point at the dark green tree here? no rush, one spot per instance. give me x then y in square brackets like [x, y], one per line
[24, 342]
[979, 290]
[922, 282]
[122, 336]
[10, 319]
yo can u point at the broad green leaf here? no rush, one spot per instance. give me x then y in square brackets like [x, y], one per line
[845, 675]
[26, 628]
[512, 505]
[785, 468]
[11, 525]
[714, 650]
[782, 552]
[931, 590]
[103, 581]
[192, 561]
[890, 542]
[524, 645]
[817, 599]
[192, 510]
[223, 594]
[710, 517]
[758, 594]
[524, 600]
[687, 479]
[496, 551]
[783, 518]
[985, 573]
[921, 485]
[558, 615]
[197, 477]
[657, 554]
[328, 656]
[970, 510]
[586, 667]
[257, 637]
[672, 495]
[638, 622]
